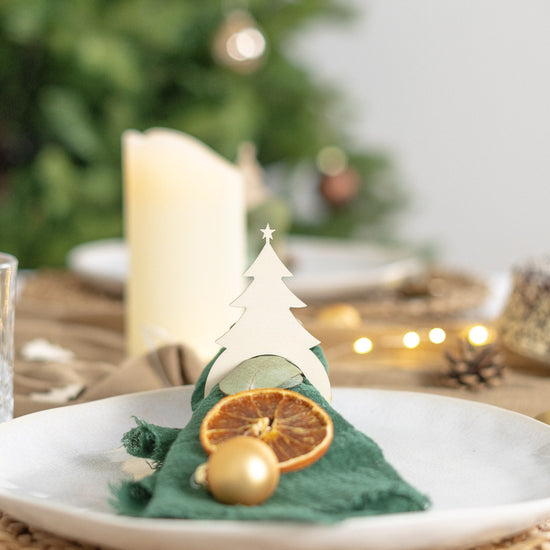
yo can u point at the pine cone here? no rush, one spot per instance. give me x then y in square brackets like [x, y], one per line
[474, 366]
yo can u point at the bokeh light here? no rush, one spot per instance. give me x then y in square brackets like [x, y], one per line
[411, 340]
[362, 345]
[246, 44]
[332, 160]
[478, 335]
[437, 335]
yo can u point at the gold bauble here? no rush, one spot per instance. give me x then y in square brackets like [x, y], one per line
[242, 470]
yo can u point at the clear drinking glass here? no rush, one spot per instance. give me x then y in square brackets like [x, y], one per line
[8, 275]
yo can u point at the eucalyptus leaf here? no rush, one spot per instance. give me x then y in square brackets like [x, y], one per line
[263, 371]
[291, 382]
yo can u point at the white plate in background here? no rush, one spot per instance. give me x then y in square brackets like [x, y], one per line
[321, 267]
[103, 264]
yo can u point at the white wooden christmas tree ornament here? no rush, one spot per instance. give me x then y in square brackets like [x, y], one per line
[267, 326]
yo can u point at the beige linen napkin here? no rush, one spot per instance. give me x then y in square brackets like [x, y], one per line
[40, 385]
[70, 348]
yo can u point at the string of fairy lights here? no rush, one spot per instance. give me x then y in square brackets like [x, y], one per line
[477, 335]
[343, 331]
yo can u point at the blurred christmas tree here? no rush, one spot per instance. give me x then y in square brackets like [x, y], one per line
[76, 73]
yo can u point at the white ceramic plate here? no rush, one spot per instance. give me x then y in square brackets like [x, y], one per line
[486, 469]
[321, 267]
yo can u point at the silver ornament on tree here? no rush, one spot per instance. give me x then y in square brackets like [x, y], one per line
[239, 43]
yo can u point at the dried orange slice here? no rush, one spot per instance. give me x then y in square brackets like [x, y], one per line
[297, 429]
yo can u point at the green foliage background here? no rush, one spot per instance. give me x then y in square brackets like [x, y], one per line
[75, 74]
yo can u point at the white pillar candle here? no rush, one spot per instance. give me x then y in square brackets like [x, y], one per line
[185, 227]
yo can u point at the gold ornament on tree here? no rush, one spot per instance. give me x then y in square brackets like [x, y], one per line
[474, 366]
[239, 43]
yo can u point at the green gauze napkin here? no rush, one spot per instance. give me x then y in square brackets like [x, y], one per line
[351, 479]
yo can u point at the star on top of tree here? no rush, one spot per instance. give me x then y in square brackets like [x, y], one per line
[268, 233]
